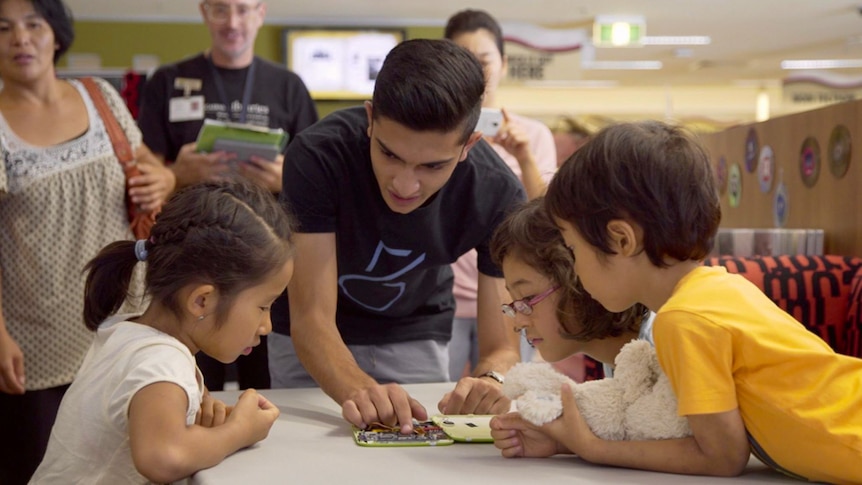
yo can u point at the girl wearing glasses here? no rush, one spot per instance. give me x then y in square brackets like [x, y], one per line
[551, 309]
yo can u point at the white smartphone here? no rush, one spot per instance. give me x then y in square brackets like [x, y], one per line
[490, 121]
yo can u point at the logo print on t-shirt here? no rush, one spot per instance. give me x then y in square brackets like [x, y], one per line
[396, 289]
[256, 114]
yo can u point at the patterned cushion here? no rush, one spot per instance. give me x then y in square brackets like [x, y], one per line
[854, 318]
[593, 369]
[822, 292]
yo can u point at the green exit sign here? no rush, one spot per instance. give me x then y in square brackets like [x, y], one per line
[618, 31]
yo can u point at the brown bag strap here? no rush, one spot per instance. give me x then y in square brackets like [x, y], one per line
[139, 222]
[122, 148]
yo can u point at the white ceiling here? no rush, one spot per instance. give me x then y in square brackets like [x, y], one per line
[749, 37]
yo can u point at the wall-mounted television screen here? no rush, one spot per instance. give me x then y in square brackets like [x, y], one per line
[338, 63]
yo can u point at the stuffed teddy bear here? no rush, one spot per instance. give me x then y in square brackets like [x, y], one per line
[636, 404]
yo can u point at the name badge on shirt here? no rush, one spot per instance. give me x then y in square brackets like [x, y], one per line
[187, 84]
[186, 109]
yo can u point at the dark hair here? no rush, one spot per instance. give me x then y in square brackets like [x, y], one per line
[231, 235]
[530, 235]
[469, 20]
[649, 173]
[430, 85]
[59, 17]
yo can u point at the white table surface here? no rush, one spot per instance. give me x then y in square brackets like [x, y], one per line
[312, 444]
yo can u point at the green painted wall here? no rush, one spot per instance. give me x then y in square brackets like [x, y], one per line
[117, 42]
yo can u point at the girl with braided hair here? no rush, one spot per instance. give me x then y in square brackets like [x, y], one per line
[218, 256]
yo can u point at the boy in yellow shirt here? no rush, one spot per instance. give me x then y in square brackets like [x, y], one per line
[638, 207]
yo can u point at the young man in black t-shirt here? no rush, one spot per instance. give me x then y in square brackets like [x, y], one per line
[228, 83]
[389, 195]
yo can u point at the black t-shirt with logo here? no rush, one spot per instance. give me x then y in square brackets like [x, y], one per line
[394, 278]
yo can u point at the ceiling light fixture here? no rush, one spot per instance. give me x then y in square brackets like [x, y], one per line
[822, 64]
[577, 83]
[618, 30]
[676, 40]
[623, 65]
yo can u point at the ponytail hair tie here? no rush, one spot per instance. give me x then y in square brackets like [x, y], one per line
[141, 249]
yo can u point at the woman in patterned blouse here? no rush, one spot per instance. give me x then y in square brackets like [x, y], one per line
[62, 197]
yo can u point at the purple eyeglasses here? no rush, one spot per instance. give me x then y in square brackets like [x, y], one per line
[524, 306]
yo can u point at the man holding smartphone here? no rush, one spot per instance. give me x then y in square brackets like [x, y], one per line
[388, 195]
[227, 83]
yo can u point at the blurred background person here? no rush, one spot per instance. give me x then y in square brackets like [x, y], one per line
[527, 147]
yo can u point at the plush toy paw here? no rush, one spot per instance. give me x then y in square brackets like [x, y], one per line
[539, 408]
[535, 389]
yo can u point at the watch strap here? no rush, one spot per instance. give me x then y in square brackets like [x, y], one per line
[494, 375]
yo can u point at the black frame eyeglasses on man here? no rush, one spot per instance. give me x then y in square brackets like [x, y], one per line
[219, 12]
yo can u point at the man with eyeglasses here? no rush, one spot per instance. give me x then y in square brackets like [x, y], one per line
[229, 83]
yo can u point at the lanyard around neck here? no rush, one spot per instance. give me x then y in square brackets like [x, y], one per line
[246, 90]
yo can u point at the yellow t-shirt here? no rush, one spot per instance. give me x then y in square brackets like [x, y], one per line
[725, 345]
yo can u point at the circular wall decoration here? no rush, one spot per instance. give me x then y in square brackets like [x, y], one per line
[765, 168]
[752, 147]
[839, 151]
[734, 185]
[780, 205]
[721, 175]
[809, 161]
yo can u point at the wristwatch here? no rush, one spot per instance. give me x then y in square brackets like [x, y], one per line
[494, 375]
